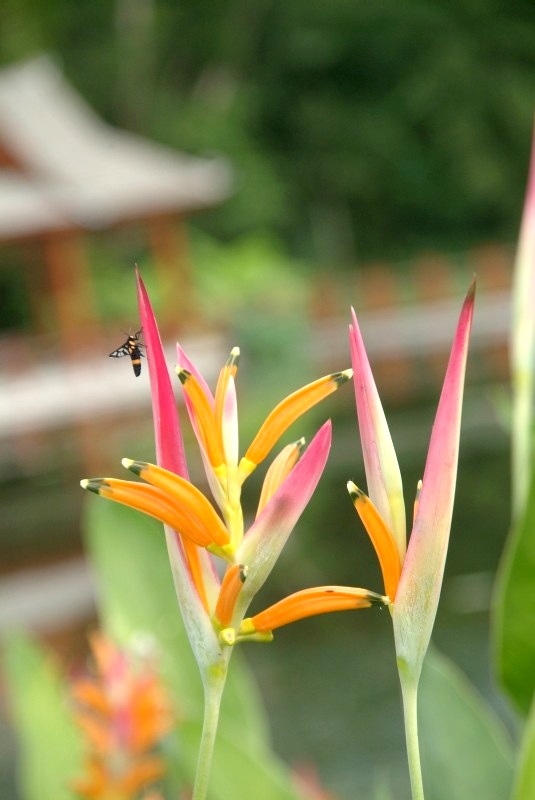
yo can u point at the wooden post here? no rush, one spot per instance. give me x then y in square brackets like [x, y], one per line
[75, 309]
[71, 289]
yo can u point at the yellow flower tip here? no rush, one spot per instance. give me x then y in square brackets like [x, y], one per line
[419, 486]
[246, 467]
[227, 637]
[355, 493]
[234, 357]
[341, 377]
[381, 600]
[247, 627]
[136, 467]
[248, 632]
[93, 484]
[183, 374]
[226, 552]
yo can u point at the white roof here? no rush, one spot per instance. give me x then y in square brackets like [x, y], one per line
[77, 170]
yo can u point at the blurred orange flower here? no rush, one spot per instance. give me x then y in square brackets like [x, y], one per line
[123, 713]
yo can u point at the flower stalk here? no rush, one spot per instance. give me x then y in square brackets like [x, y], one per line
[409, 691]
[214, 684]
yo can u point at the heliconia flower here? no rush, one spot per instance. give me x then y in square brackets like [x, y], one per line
[416, 600]
[198, 528]
[123, 712]
[412, 578]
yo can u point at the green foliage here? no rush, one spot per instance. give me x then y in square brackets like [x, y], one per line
[515, 610]
[240, 770]
[465, 749]
[379, 123]
[355, 129]
[50, 745]
[253, 274]
[525, 779]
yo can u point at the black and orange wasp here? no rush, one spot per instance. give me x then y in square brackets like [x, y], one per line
[132, 347]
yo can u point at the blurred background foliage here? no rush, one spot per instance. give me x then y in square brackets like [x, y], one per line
[356, 130]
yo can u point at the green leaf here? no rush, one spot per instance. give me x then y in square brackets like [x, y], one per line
[238, 770]
[514, 620]
[50, 745]
[525, 777]
[465, 749]
[381, 789]
[137, 599]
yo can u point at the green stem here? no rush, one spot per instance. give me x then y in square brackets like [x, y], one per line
[213, 692]
[409, 689]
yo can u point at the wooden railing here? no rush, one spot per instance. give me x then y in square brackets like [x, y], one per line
[407, 313]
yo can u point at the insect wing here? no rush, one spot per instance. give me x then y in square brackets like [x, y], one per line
[121, 351]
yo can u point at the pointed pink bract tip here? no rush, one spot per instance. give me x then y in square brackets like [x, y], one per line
[472, 289]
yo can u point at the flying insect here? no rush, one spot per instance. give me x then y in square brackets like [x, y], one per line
[132, 347]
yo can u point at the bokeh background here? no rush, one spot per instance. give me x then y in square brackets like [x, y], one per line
[345, 153]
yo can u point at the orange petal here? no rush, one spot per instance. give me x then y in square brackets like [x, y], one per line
[96, 731]
[146, 771]
[308, 603]
[205, 417]
[230, 589]
[381, 537]
[154, 502]
[196, 570]
[286, 412]
[185, 493]
[89, 693]
[94, 783]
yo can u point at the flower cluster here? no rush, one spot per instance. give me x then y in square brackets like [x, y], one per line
[198, 527]
[123, 713]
